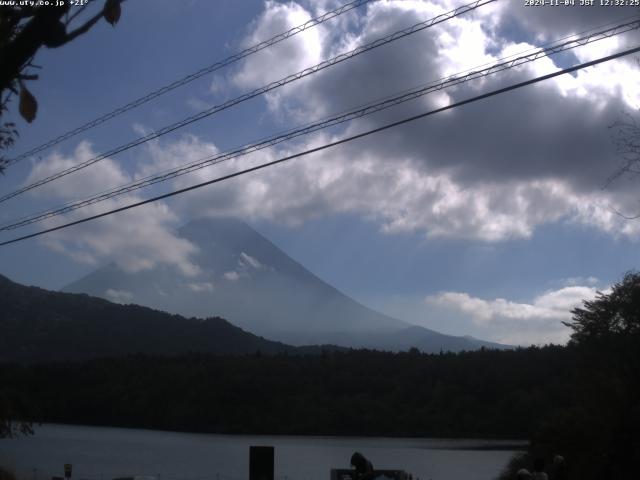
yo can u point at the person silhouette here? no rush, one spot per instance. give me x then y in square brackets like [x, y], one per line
[523, 474]
[559, 468]
[363, 467]
[538, 470]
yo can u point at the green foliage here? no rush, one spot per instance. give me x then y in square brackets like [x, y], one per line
[24, 29]
[484, 394]
[598, 431]
[610, 314]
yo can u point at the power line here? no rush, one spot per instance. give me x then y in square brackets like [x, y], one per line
[260, 91]
[332, 144]
[193, 76]
[373, 107]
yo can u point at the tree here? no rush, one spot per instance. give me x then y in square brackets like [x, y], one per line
[14, 412]
[606, 337]
[24, 29]
[610, 314]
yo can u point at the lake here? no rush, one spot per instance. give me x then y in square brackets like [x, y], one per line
[100, 453]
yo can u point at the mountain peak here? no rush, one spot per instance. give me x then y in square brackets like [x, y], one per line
[251, 282]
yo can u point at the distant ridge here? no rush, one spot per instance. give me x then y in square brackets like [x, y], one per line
[40, 325]
[251, 282]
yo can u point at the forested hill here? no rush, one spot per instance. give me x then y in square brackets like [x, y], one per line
[481, 394]
[41, 325]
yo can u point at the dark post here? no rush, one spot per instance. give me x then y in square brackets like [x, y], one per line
[261, 463]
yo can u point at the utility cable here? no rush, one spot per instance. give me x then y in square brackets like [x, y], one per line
[260, 91]
[330, 145]
[191, 77]
[360, 112]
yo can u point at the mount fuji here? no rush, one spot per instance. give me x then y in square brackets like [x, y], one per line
[247, 280]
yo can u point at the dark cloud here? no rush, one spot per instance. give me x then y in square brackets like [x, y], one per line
[557, 130]
[550, 22]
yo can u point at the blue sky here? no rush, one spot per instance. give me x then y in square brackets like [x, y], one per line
[489, 220]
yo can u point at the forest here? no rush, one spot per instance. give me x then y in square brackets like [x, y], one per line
[476, 394]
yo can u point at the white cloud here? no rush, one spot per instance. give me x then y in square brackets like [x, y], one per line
[169, 155]
[249, 261]
[219, 85]
[139, 239]
[135, 240]
[101, 176]
[119, 296]
[573, 281]
[201, 287]
[232, 276]
[197, 104]
[401, 195]
[520, 323]
[553, 304]
[300, 51]
[246, 263]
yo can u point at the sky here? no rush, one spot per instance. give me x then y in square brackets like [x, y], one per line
[493, 219]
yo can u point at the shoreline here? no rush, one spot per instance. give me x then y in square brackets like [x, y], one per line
[480, 443]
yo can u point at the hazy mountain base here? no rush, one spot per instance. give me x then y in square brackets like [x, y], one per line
[397, 340]
[39, 325]
[255, 285]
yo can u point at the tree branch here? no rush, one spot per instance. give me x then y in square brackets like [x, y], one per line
[88, 24]
[78, 12]
[84, 28]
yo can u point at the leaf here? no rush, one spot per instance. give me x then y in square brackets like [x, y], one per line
[28, 104]
[55, 34]
[111, 12]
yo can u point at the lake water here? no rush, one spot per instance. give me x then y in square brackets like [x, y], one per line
[99, 453]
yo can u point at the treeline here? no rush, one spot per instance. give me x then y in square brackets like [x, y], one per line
[502, 394]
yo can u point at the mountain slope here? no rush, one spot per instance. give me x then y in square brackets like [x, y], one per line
[39, 325]
[244, 278]
[255, 285]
